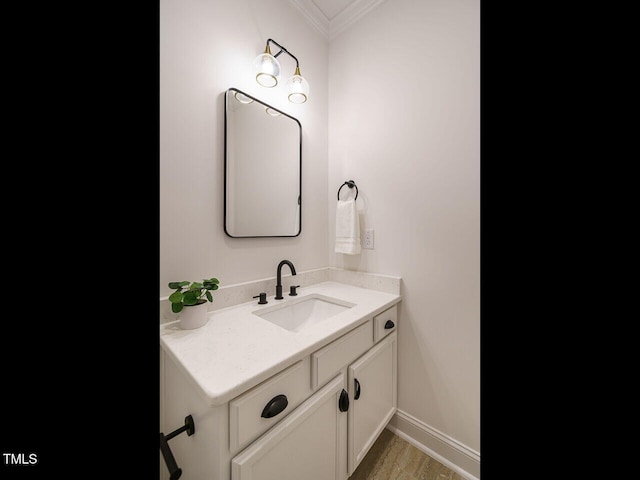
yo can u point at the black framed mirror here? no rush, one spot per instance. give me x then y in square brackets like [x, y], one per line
[262, 169]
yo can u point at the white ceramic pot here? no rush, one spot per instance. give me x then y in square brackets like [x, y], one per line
[193, 316]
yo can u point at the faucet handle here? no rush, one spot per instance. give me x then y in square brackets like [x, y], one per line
[263, 298]
[292, 290]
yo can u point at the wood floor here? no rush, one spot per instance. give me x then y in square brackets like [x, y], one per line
[392, 458]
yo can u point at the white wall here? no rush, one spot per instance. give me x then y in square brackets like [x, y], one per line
[404, 123]
[206, 47]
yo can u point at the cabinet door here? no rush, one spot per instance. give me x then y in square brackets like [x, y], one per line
[308, 444]
[373, 393]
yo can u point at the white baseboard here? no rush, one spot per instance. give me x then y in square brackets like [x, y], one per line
[458, 457]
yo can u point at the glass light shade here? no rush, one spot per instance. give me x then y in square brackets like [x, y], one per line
[267, 69]
[297, 88]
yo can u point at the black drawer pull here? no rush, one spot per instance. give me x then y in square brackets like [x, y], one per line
[343, 404]
[389, 325]
[357, 388]
[275, 406]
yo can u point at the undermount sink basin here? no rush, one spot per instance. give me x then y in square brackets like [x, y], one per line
[300, 313]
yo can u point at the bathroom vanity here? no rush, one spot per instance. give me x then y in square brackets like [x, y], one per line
[297, 388]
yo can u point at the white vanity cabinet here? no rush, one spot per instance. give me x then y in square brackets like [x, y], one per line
[373, 390]
[315, 419]
[317, 441]
[308, 443]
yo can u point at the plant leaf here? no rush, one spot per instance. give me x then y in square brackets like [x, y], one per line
[196, 286]
[209, 296]
[175, 285]
[190, 298]
[176, 307]
[176, 297]
[211, 286]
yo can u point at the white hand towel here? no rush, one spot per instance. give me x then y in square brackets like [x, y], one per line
[347, 228]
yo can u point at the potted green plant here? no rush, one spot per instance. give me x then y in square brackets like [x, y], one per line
[190, 300]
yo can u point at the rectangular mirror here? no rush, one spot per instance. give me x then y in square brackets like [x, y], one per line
[263, 169]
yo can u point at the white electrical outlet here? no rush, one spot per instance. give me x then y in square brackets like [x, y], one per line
[367, 241]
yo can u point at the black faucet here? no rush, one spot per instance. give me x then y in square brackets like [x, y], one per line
[279, 278]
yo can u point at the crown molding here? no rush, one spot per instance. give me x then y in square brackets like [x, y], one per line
[330, 29]
[351, 15]
[313, 15]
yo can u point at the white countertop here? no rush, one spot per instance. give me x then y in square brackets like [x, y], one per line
[236, 349]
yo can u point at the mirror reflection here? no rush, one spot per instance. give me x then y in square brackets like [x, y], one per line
[263, 148]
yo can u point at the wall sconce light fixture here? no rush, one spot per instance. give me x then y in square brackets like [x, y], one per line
[267, 70]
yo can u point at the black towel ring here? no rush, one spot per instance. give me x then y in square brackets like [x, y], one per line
[350, 184]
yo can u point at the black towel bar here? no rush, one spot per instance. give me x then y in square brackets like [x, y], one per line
[350, 184]
[174, 471]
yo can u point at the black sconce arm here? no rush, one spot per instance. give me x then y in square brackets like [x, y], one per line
[282, 49]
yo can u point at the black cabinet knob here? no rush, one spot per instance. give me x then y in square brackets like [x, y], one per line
[275, 406]
[343, 404]
[389, 325]
[357, 389]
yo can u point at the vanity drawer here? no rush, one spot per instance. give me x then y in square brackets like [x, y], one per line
[326, 362]
[380, 326]
[246, 422]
